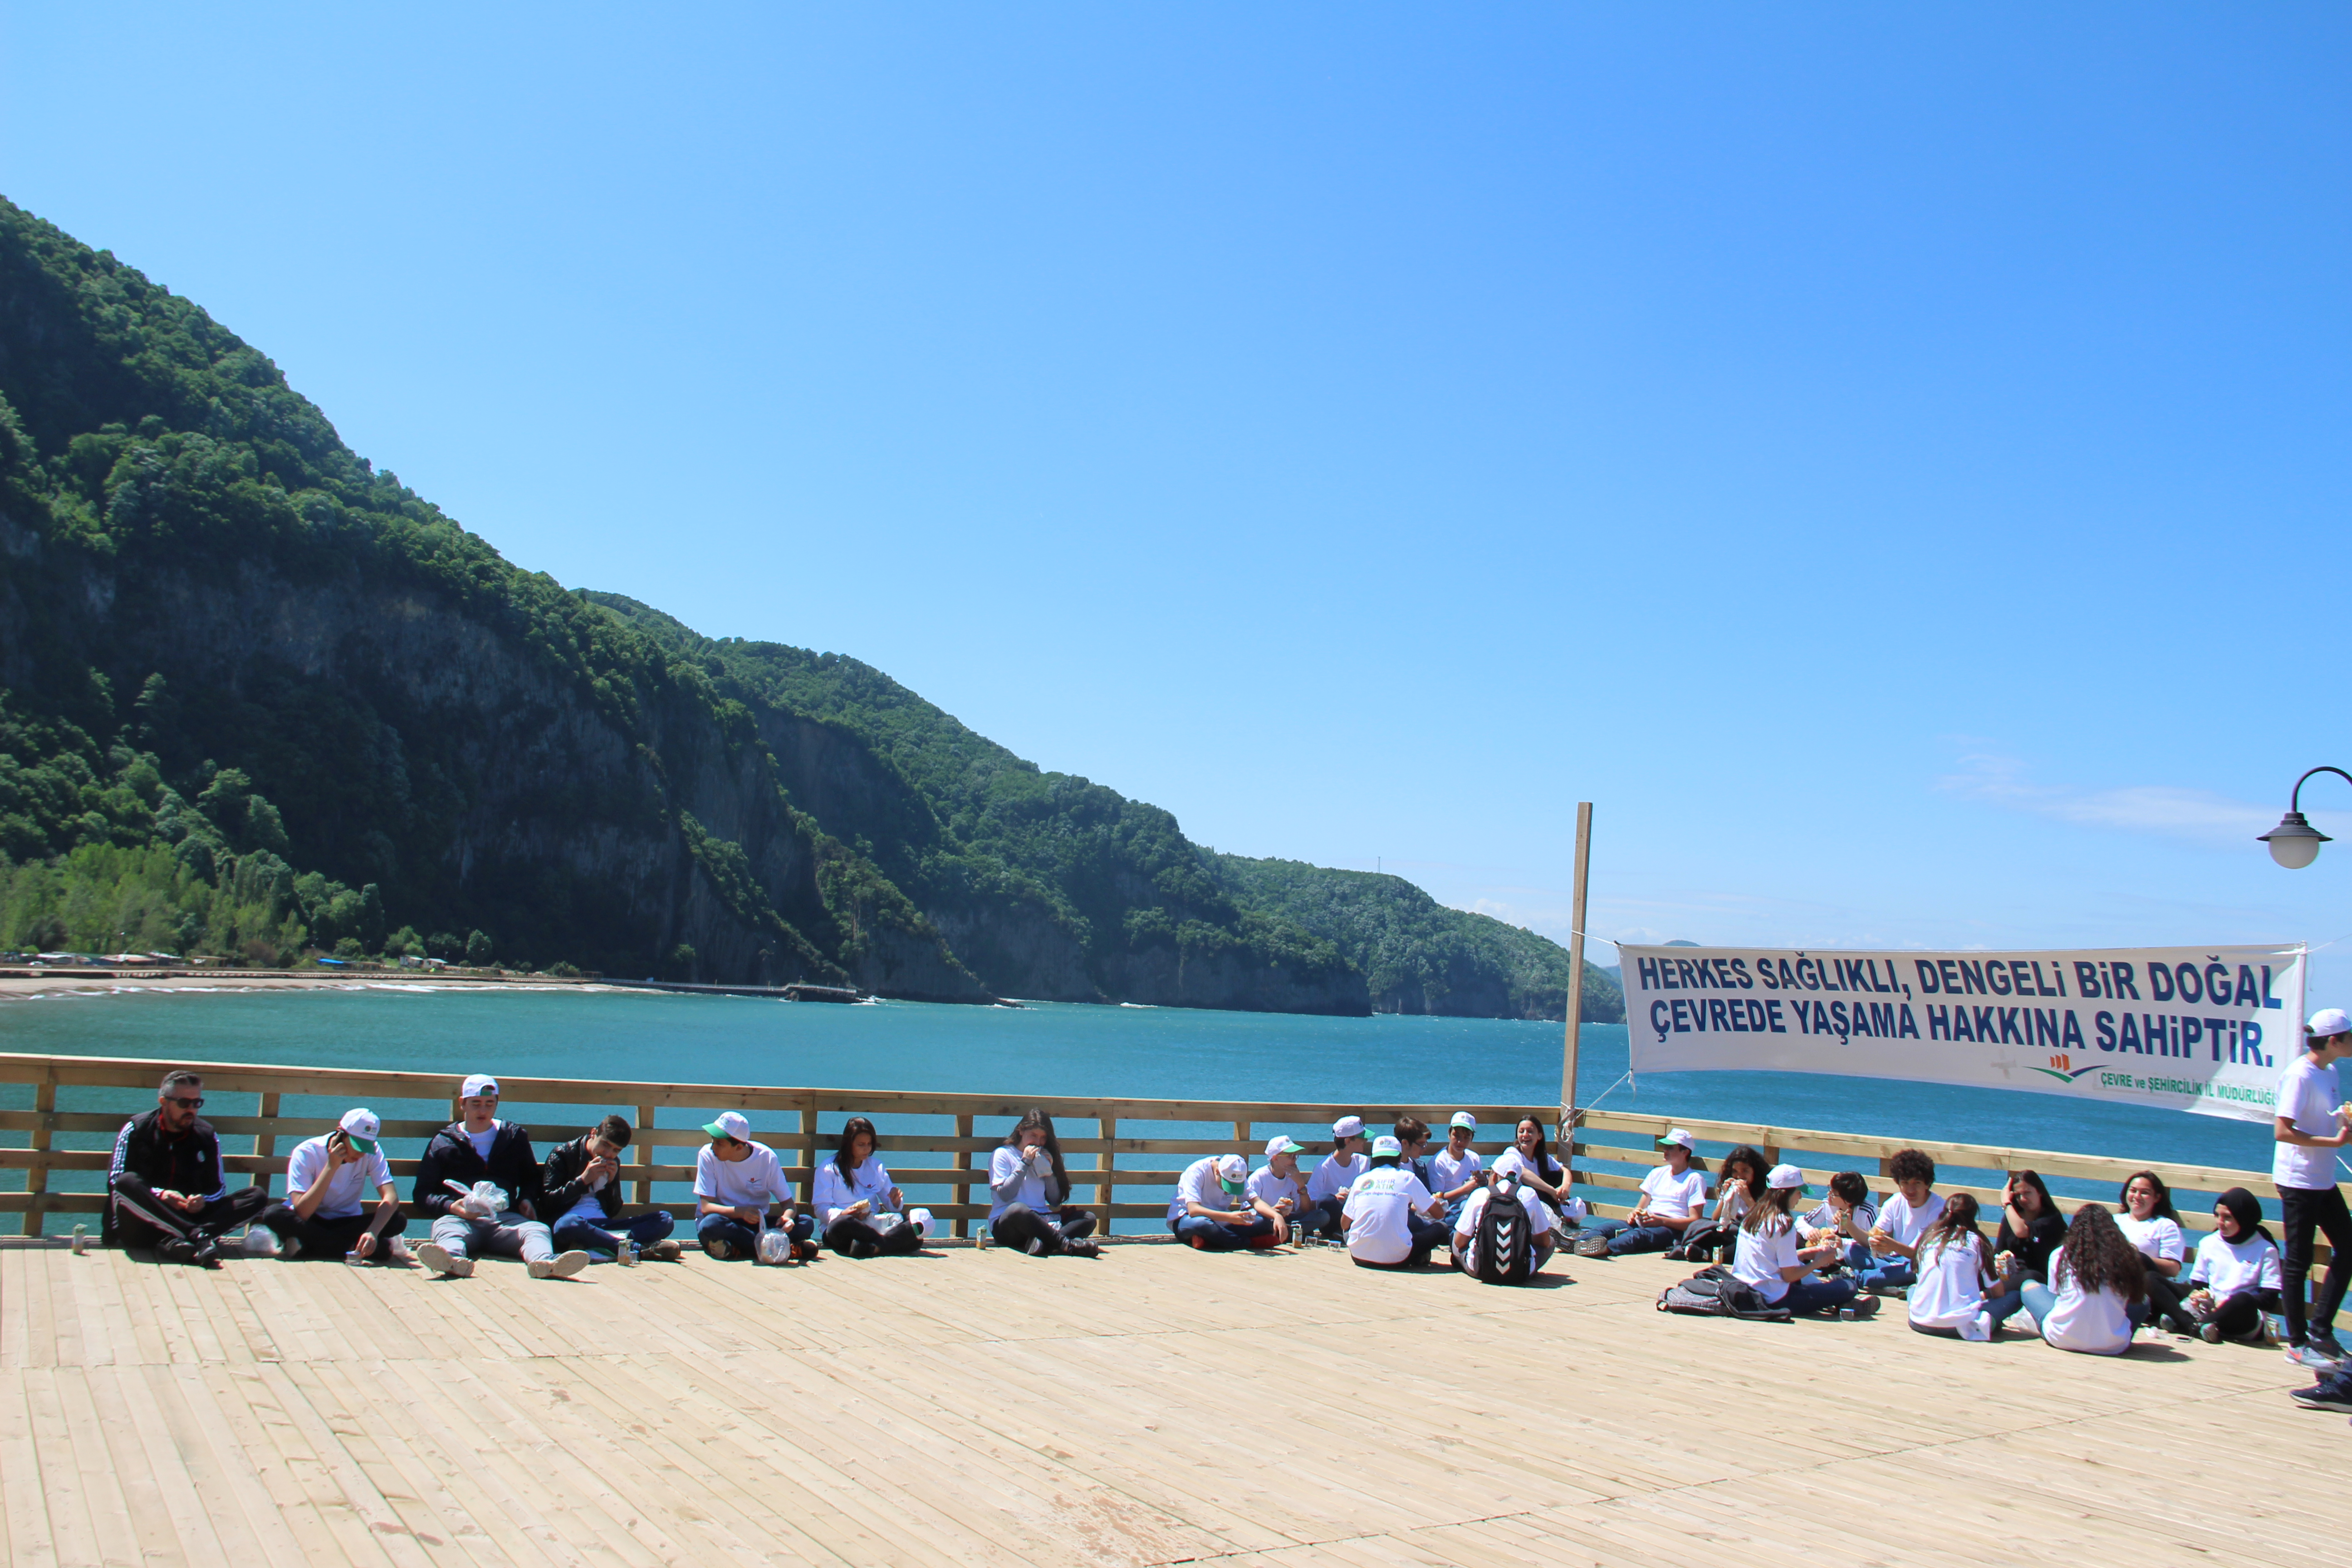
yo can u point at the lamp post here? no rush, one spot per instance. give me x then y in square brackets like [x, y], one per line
[2294, 843]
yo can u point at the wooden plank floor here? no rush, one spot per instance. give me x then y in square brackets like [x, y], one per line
[1155, 1405]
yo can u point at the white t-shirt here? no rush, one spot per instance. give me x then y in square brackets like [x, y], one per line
[1905, 1223]
[1199, 1184]
[1731, 1203]
[1511, 1159]
[1951, 1286]
[481, 1141]
[2157, 1238]
[755, 1181]
[348, 1190]
[1465, 1229]
[1378, 1204]
[2098, 1324]
[1675, 1197]
[830, 1194]
[1003, 1165]
[1452, 1173]
[1264, 1186]
[2307, 1096]
[2227, 1267]
[1758, 1257]
[1332, 1174]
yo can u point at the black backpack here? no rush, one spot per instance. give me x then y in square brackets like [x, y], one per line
[1505, 1249]
[1716, 1292]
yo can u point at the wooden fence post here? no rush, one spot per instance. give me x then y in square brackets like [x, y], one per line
[36, 1180]
[808, 1148]
[265, 1144]
[644, 1152]
[1108, 1126]
[963, 1162]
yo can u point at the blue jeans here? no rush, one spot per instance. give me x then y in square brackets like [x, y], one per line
[595, 1236]
[741, 1239]
[1814, 1294]
[1216, 1235]
[2040, 1300]
[1623, 1238]
[1883, 1273]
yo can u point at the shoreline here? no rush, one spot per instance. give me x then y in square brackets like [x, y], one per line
[27, 988]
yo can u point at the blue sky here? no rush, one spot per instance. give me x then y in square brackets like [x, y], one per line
[1894, 460]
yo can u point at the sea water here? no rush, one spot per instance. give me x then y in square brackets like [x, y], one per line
[1041, 1049]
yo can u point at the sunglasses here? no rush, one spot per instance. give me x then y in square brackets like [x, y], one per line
[195, 1104]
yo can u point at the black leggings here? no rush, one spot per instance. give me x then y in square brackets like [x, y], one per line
[327, 1239]
[2303, 1210]
[2240, 1317]
[850, 1230]
[1020, 1225]
[139, 1218]
[2164, 1299]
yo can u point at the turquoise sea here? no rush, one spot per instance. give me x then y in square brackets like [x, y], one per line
[1041, 1049]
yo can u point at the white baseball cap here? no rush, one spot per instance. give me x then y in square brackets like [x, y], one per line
[1232, 1170]
[362, 1127]
[1785, 1177]
[478, 1083]
[1386, 1146]
[2330, 1021]
[1675, 1136]
[730, 1124]
[1348, 1126]
[1281, 1144]
[1463, 1119]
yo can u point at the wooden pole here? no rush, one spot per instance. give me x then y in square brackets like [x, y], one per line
[1575, 982]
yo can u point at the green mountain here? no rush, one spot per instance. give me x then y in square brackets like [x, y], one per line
[257, 697]
[1417, 955]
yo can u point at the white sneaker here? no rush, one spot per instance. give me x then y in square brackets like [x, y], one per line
[395, 1250]
[562, 1266]
[1978, 1328]
[441, 1261]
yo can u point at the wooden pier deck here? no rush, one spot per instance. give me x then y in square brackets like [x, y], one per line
[1156, 1406]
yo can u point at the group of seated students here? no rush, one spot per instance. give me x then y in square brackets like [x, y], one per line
[2088, 1282]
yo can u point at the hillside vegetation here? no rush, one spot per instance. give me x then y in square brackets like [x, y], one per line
[260, 698]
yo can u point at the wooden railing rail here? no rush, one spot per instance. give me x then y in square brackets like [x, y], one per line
[1094, 1133]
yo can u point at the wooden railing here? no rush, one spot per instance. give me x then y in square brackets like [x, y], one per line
[245, 1105]
[1610, 1167]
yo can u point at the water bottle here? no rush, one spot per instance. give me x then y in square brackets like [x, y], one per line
[80, 1239]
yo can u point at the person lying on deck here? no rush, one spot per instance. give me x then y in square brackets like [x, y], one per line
[1765, 1255]
[2236, 1273]
[1671, 1196]
[475, 1149]
[167, 1188]
[1391, 1218]
[1327, 1187]
[740, 1193]
[2098, 1289]
[2152, 1224]
[1213, 1209]
[1029, 1194]
[329, 1179]
[860, 1212]
[1895, 1240]
[583, 1183]
[1955, 1269]
[1279, 1186]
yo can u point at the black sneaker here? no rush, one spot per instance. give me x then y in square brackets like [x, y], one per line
[1085, 1247]
[174, 1249]
[2323, 1341]
[2331, 1393]
[207, 1252]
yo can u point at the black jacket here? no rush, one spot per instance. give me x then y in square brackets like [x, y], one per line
[450, 1157]
[563, 1187]
[188, 1164]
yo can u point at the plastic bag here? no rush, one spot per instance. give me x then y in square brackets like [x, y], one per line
[483, 1200]
[773, 1247]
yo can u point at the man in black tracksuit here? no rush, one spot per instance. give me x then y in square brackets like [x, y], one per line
[167, 1188]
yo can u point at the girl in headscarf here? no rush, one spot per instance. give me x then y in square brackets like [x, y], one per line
[2236, 1274]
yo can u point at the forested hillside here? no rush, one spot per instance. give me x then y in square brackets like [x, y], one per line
[260, 698]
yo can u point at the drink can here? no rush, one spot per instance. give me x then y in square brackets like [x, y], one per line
[1845, 1315]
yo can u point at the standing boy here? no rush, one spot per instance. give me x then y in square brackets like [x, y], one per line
[583, 1183]
[477, 1147]
[324, 1215]
[740, 1190]
[2309, 1127]
[167, 1188]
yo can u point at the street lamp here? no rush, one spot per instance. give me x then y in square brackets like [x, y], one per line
[2294, 843]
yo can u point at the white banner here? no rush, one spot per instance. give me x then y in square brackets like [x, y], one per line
[2201, 1029]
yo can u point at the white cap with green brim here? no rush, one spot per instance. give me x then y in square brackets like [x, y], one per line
[730, 1124]
[1279, 1144]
